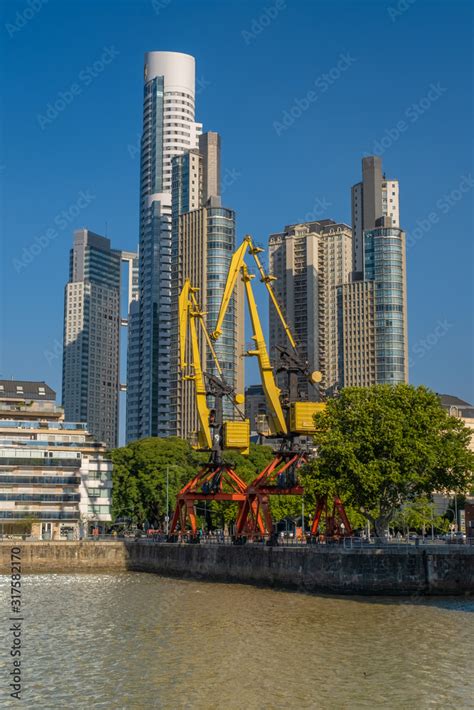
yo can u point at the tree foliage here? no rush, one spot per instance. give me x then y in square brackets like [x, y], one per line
[139, 477]
[382, 446]
[419, 515]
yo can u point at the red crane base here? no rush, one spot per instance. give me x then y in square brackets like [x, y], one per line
[270, 482]
[277, 478]
[336, 521]
[224, 484]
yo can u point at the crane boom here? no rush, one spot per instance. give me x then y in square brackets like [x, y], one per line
[188, 312]
[200, 315]
[267, 279]
[234, 434]
[272, 392]
[235, 267]
[232, 276]
[203, 411]
[183, 312]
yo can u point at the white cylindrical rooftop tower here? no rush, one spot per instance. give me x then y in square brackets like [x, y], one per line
[180, 132]
[178, 69]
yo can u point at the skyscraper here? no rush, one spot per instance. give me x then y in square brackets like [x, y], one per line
[92, 336]
[203, 241]
[310, 260]
[356, 334]
[169, 129]
[372, 309]
[92, 320]
[372, 198]
[384, 253]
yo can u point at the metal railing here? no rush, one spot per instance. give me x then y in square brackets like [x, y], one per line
[354, 542]
[346, 543]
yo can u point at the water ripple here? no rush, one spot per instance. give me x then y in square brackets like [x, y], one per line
[137, 641]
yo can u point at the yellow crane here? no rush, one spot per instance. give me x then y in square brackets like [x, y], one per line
[288, 416]
[216, 479]
[235, 434]
[291, 418]
[189, 312]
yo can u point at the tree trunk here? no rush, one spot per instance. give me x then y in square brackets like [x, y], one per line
[381, 528]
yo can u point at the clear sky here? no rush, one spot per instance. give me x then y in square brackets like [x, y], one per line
[299, 90]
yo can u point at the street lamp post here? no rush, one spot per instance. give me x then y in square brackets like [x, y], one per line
[452, 525]
[167, 499]
[167, 516]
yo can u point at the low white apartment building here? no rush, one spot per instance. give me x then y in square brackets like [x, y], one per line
[55, 478]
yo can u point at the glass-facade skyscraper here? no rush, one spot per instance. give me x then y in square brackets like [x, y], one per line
[372, 306]
[220, 247]
[169, 129]
[92, 336]
[384, 264]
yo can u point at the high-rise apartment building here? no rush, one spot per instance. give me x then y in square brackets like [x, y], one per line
[169, 129]
[203, 241]
[92, 319]
[373, 198]
[372, 313]
[92, 336]
[356, 332]
[310, 261]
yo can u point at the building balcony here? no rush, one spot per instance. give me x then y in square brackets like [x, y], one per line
[39, 480]
[53, 425]
[25, 414]
[16, 463]
[41, 497]
[28, 405]
[39, 515]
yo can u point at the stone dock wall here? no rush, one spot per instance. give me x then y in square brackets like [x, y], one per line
[400, 570]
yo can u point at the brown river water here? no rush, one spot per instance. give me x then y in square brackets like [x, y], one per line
[137, 640]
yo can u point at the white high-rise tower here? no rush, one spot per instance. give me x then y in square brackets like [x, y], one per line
[169, 129]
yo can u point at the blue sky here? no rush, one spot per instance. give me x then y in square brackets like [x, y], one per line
[379, 78]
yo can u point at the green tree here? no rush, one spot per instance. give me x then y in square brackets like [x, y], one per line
[139, 477]
[382, 446]
[418, 515]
